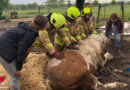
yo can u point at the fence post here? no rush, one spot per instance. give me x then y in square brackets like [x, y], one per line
[48, 7]
[98, 13]
[80, 4]
[39, 9]
[104, 10]
[65, 8]
[122, 9]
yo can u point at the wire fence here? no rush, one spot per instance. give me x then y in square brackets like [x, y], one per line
[105, 11]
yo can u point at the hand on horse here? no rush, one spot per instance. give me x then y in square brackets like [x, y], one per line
[72, 47]
[57, 55]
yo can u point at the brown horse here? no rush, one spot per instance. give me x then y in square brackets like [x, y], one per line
[76, 70]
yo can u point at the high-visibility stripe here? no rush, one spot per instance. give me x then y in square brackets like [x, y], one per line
[72, 38]
[66, 29]
[43, 32]
[83, 35]
[47, 59]
[91, 25]
[48, 45]
[37, 43]
[58, 42]
[66, 38]
[80, 26]
[94, 32]
[78, 37]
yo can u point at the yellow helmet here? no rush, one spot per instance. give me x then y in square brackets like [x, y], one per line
[86, 11]
[73, 13]
[58, 20]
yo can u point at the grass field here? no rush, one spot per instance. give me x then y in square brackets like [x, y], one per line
[42, 11]
[108, 11]
[113, 9]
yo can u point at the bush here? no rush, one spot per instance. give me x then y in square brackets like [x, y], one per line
[1, 6]
[113, 2]
[128, 2]
[95, 3]
[2, 17]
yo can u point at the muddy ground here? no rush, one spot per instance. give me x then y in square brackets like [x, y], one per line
[6, 25]
[120, 61]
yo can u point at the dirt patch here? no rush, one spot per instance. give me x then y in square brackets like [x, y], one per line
[120, 62]
[6, 25]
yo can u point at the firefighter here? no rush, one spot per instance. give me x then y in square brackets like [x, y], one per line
[14, 44]
[47, 36]
[85, 22]
[93, 19]
[72, 14]
[71, 28]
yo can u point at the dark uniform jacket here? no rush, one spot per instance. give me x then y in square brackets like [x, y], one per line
[15, 42]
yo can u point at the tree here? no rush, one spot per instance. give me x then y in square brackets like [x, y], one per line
[54, 3]
[23, 7]
[61, 3]
[113, 2]
[51, 3]
[10, 6]
[1, 6]
[6, 3]
[30, 6]
[80, 4]
[69, 3]
[34, 5]
[95, 3]
[128, 2]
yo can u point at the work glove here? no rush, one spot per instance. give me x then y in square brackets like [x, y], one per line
[57, 55]
[1, 79]
[72, 47]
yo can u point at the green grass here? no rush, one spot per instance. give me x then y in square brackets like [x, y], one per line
[42, 11]
[113, 9]
[108, 11]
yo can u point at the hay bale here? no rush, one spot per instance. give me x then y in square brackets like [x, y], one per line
[32, 73]
[4, 74]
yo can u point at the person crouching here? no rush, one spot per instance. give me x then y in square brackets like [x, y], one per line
[14, 45]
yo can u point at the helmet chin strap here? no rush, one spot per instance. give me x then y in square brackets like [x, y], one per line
[49, 16]
[68, 19]
[52, 26]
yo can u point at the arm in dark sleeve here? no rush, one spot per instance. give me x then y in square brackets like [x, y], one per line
[24, 43]
[107, 29]
[121, 25]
